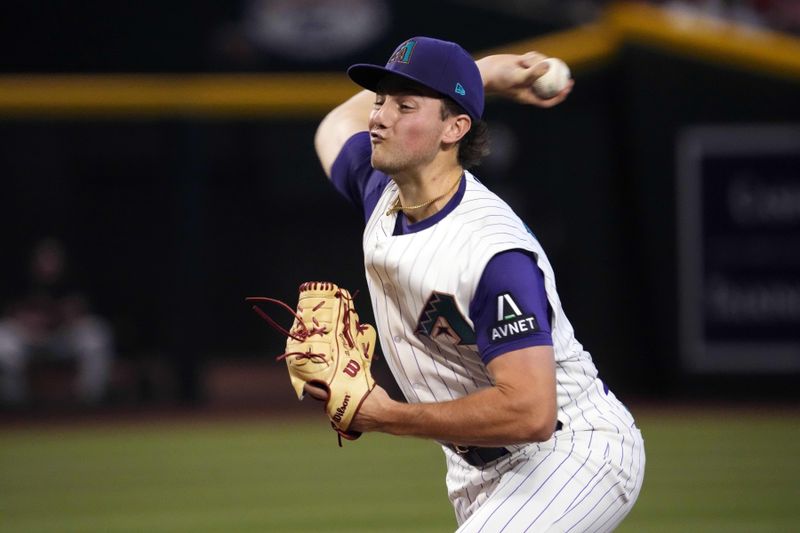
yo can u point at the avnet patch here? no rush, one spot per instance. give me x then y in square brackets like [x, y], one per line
[519, 327]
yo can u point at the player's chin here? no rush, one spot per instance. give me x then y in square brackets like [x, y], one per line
[382, 163]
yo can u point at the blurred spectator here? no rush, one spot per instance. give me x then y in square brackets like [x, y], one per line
[779, 14]
[314, 30]
[309, 32]
[50, 319]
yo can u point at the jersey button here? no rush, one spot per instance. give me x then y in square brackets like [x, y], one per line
[398, 338]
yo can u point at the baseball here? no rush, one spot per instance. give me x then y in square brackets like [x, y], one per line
[554, 80]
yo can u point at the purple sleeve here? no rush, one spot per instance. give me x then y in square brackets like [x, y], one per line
[353, 176]
[510, 309]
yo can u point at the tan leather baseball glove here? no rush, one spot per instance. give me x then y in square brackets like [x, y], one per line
[329, 348]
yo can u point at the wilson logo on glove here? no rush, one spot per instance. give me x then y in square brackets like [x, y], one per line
[352, 368]
[320, 346]
[340, 411]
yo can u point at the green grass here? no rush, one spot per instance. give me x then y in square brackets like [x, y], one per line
[719, 472]
[256, 476]
[705, 473]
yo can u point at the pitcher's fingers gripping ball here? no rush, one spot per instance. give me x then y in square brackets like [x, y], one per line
[328, 348]
[554, 80]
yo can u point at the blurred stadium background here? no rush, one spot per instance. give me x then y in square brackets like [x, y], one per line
[168, 148]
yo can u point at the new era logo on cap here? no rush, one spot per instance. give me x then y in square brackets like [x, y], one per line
[460, 89]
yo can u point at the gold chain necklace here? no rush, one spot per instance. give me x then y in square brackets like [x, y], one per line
[397, 207]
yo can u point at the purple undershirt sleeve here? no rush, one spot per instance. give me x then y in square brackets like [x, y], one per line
[353, 176]
[510, 309]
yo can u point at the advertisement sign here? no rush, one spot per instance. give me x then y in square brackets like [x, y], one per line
[738, 211]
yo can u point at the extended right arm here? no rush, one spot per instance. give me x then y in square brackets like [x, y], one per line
[507, 75]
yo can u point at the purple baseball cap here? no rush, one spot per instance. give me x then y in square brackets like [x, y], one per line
[442, 66]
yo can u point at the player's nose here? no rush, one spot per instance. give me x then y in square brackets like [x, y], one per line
[380, 117]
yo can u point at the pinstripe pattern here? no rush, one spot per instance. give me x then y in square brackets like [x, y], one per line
[587, 476]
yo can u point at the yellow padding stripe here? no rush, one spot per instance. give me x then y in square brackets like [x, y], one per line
[578, 47]
[209, 95]
[707, 38]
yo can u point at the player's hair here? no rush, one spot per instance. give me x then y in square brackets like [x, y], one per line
[474, 146]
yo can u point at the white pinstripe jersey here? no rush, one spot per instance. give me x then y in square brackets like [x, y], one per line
[421, 285]
[405, 271]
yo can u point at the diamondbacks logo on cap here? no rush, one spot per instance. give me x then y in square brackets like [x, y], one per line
[403, 52]
[511, 323]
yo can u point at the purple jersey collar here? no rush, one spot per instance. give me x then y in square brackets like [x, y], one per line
[404, 227]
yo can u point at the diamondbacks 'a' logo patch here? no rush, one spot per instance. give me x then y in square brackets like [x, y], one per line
[511, 321]
[441, 321]
[403, 52]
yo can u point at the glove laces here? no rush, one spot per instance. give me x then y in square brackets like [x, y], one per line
[300, 333]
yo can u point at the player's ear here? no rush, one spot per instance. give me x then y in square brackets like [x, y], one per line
[457, 126]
